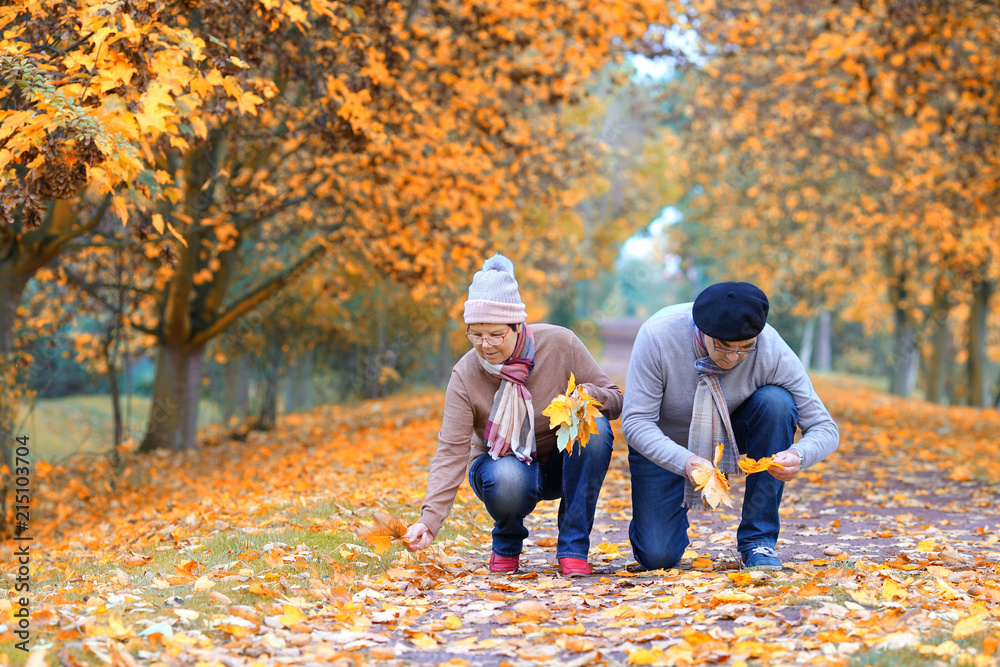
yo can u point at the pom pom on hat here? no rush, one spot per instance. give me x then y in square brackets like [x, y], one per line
[731, 311]
[499, 263]
[493, 294]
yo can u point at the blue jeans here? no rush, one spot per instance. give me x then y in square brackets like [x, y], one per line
[763, 425]
[510, 490]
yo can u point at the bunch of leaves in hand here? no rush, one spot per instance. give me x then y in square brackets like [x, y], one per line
[713, 484]
[575, 414]
[385, 529]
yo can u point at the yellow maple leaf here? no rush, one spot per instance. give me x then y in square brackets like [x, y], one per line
[645, 657]
[750, 466]
[970, 625]
[380, 543]
[117, 628]
[258, 588]
[157, 109]
[608, 548]
[893, 591]
[589, 413]
[292, 615]
[942, 650]
[235, 630]
[424, 642]
[203, 583]
[714, 485]
[559, 411]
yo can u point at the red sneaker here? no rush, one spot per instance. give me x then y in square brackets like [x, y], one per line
[500, 563]
[574, 567]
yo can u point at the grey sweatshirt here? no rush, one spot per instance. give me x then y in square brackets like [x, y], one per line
[659, 392]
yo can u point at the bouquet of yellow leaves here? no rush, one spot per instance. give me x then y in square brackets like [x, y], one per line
[574, 413]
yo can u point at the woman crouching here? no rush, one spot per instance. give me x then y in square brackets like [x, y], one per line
[495, 400]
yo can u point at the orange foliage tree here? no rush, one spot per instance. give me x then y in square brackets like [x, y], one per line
[398, 131]
[404, 153]
[90, 92]
[848, 159]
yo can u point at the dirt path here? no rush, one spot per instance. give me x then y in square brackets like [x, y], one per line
[854, 516]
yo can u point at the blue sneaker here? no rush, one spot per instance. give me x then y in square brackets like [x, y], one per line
[762, 558]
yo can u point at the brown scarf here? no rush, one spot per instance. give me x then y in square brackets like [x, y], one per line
[710, 423]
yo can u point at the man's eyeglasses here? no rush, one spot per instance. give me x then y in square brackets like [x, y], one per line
[741, 353]
[492, 340]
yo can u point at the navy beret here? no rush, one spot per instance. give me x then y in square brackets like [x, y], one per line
[731, 311]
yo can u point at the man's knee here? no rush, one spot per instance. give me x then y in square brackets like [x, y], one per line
[658, 542]
[776, 401]
[660, 556]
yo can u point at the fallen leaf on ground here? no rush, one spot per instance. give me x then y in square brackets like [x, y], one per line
[532, 609]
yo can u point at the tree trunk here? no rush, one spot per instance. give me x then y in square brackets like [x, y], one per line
[299, 383]
[369, 378]
[806, 351]
[11, 288]
[372, 380]
[824, 343]
[236, 401]
[912, 372]
[979, 390]
[269, 406]
[173, 415]
[937, 373]
[904, 356]
[116, 404]
[271, 363]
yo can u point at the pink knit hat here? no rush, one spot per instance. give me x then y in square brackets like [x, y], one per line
[493, 295]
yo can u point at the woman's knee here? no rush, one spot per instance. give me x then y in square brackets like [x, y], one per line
[508, 485]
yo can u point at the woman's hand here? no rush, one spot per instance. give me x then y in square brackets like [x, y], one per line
[418, 537]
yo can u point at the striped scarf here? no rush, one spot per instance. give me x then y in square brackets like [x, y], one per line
[511, 426]
[710, 423]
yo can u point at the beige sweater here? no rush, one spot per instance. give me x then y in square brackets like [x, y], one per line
[467, 404]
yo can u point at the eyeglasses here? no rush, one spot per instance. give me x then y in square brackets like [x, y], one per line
[492, 340]
[741, 353]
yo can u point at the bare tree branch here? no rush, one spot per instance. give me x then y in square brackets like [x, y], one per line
[247, 303]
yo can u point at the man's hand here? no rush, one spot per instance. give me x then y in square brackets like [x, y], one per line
[689, 466]
[418, 537]
[791, 462]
